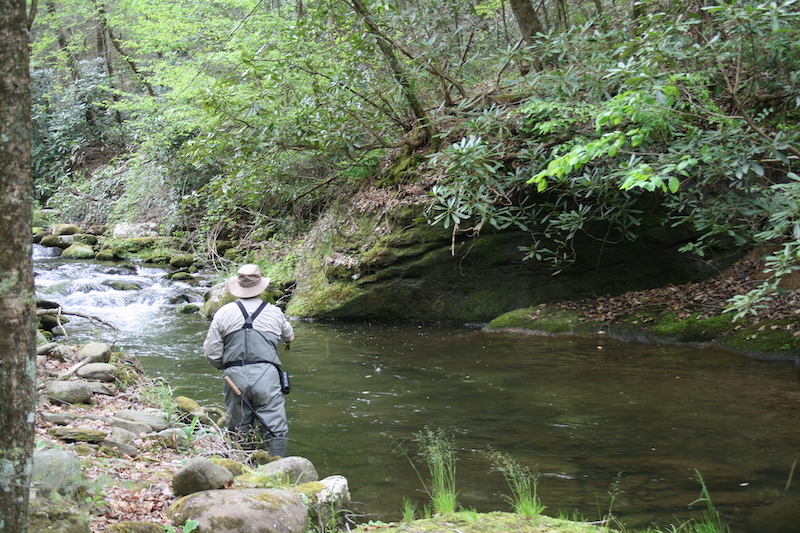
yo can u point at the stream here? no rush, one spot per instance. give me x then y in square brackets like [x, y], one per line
[608, 425]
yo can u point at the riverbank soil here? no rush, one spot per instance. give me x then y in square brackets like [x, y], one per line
[690, 313]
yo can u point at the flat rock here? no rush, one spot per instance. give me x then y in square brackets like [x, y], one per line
[155, 422]
[69, 392]
[99, 371]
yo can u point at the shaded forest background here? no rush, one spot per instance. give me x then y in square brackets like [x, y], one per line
[245, 119]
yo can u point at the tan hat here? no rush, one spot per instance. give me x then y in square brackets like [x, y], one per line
[247, 282]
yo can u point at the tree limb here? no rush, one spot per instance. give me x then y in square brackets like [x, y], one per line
[58, 311]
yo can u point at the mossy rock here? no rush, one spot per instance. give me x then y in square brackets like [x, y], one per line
[106, 254]
[768, 339]
[182, 261]
[695, 328]
[187, 405]
[78, 434]
[59, 516]
[66, 229]
[545, 319]
[135, 527]
[157, 258]
[467, 522]
[86, 238]
[234, 467]
[78, 250]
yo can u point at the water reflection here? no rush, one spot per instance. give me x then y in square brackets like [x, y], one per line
[585, 412]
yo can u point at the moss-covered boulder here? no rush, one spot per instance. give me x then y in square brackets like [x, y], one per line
[182, 260]
[78, 250]
[65, 229]
[242, 511]
[360, 263]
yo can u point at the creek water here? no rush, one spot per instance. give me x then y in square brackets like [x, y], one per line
[608, 425]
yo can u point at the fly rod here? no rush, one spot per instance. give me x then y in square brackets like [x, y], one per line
[238, 393]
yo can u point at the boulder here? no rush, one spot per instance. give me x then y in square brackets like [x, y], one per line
[119, 448]
[242, 511]
[90, 435]
[156, 422]
[86, 238]
[78, 250]
[326, 498]
[96, 230]
[55, 471]
[69, 392]
[101, 388]
[182, 261]
[95, 352]
[198, 475]
[65, 229]
[175, 438]
[120, 434]
[57, 419]
[98, 371]
[293, 470]
[57, 241]
[214, 298]
[130, 426]
[121, 285]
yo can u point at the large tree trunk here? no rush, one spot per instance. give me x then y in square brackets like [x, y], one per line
[527, 20]
[17, 301]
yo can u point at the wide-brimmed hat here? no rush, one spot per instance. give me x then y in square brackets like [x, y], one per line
[247, 282]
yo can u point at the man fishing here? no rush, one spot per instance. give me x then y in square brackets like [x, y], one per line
[242, 341]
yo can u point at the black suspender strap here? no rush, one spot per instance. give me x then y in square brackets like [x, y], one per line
[248, 319]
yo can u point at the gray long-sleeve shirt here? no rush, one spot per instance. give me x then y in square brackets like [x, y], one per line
[229, 318]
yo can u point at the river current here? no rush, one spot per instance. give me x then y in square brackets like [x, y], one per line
[608, 425]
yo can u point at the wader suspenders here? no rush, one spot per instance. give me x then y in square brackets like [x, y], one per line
[248, 319]
[283, 377]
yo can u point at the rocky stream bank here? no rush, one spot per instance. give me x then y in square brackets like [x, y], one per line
[119, 478]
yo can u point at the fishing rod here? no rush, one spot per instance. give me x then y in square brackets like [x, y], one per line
[238, 393]
[241, 396]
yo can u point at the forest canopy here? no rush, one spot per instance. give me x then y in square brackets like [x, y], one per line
[244, 118]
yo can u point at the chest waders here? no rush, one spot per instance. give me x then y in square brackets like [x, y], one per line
[249, 346]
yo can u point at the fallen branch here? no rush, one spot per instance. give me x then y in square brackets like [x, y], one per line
[58, 311]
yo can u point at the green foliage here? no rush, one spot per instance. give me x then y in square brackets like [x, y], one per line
[615, 121]
[710, 521]
[438, 451]
[523, 483]
[67, 121]
[244, 119]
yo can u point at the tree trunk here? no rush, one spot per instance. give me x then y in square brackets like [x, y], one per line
[17, 299]
[527, 20]
[398, 70]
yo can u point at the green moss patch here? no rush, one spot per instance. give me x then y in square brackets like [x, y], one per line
[485, 523]
[776, 338]
[546, 319]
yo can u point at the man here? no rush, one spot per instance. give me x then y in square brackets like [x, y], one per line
[246, 349]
